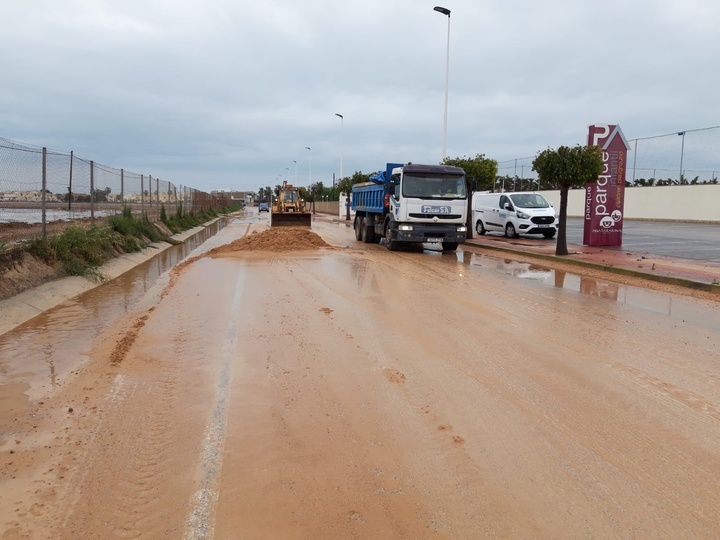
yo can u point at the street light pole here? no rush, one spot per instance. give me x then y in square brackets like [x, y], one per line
[445, 11]
[342, 121]
[295, 162]
[309, 167]
[682, 151]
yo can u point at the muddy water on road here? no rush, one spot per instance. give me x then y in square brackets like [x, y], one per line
[40, 354]
[356, 393]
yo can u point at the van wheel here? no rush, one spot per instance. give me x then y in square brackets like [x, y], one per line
[510, 231]
[480, 228]
[548, 234]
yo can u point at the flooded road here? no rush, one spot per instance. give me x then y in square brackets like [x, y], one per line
[350, 392]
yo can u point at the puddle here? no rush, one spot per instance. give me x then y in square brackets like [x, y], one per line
[675, 307]
[46, 349]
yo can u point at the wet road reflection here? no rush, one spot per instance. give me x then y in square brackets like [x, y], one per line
[652, 301]
[44, 350]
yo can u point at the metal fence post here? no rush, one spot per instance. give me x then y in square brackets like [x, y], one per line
[44, 187]
[92, 192]
[70, 183]
[142, 194]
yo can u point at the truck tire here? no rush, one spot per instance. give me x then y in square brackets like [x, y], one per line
[369, 234]
[449, 246]
[510, 231]
[357, 225]
[391, 244]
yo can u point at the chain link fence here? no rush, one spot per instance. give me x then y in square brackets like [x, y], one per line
[43, 191]
[682, 158]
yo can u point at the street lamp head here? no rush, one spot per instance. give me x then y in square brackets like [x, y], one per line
[444, 11]
[338, 114]
[681, 133]
[307, 147]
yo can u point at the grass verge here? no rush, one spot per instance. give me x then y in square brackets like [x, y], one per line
[81, 251]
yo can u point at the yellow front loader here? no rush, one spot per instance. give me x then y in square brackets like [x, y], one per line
[288, 210]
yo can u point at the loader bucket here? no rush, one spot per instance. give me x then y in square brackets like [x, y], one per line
[290, 219]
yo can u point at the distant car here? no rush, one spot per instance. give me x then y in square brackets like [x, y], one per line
[263, 207]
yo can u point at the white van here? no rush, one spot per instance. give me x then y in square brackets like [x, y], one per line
[514, 214]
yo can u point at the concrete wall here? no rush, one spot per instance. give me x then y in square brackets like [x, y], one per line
[663, 203]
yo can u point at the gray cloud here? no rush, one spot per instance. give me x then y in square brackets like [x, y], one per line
[226, 94]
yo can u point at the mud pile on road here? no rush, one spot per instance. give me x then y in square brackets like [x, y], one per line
[277, 239]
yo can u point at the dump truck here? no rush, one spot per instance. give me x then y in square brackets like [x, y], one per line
[412, 203]
[288, 209]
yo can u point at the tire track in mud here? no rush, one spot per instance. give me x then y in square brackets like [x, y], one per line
[138, 507]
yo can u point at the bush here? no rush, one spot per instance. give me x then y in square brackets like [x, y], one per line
[82, 250]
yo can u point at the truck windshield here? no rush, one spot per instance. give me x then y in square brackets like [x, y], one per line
[434, 187]
[529, 200]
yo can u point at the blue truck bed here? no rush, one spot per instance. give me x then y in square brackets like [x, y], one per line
[370, 196]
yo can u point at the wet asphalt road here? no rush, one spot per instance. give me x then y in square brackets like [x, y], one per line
[697, 241]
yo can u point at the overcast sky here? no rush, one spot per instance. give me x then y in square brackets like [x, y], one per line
[227, 94]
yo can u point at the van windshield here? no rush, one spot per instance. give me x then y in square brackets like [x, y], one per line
[434, 186]
[529, 200]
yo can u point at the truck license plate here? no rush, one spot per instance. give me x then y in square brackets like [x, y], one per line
[434, 240]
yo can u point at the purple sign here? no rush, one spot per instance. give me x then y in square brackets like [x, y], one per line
[604, 199]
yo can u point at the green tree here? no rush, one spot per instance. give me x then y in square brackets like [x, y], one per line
[101, 195]
[345, 186]
[480, 175]
[570, 168]
[314, 192]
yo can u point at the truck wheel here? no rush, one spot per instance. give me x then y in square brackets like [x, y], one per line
[369, 234]
[450, 246]
[549, 234]
[510, 231]
[480, 228]
[358, 225]
[391, 244]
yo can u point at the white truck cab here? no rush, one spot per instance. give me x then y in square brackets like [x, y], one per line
[514, 213]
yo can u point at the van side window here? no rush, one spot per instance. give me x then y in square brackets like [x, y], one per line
[503, 201]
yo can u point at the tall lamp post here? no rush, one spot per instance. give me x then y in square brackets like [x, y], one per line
[309, 167]
[295, 162]
[682, 151]
[445, 11]
[342, 121]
